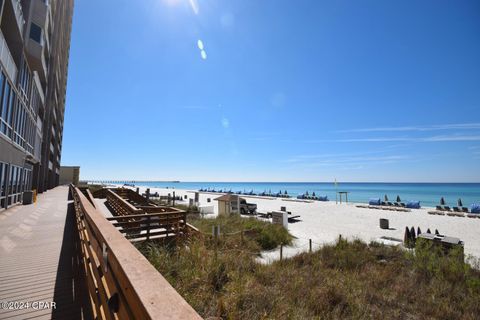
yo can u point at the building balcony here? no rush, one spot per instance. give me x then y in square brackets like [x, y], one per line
[39, 12]
[7, 59]
[36, 57]
[13, 19]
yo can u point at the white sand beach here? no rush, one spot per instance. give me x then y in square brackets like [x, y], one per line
[323, 222]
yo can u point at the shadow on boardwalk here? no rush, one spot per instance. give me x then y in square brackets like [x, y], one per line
[70, 293]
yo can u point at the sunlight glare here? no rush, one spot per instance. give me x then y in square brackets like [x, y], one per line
[194, 5]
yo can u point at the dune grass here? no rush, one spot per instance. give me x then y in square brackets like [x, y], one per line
[268, 236]
[344, 280]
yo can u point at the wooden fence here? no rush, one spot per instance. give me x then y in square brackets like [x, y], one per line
[122, 284]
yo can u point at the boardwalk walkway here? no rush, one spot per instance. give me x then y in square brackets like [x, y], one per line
[37, 259]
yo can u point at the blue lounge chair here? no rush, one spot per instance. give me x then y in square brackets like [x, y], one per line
[475, 208]
[413, 205]
[375, 201]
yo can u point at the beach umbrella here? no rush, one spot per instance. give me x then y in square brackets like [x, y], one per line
[398, 199]
[419, 231]
[386, 198]
[406, 236]
[442, 201]
[286, 192]
[459, 202]
[436, 232]
[412, 234]
[306, 193]
[313, 194]
[428, 231]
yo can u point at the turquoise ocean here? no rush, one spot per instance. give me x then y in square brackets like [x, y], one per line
[428, 194]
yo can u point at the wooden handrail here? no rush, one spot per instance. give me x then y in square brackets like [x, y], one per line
[159, 214]
[90, 197]
[120, 205]
[122, 283]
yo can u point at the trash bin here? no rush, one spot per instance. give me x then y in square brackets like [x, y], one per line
[384, 224]
[27, 197]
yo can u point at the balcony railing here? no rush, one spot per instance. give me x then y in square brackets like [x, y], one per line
[7, 59]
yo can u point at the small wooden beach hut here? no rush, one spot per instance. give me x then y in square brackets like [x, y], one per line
[228, 204]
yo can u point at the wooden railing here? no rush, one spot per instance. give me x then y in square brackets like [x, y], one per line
[132, 196]
[120, 206]
[122, 284]
[88, 194]
[152, 225]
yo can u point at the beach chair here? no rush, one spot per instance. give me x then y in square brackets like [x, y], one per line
[452, 213]
[413, 205]
[293, 219]
[399, 202]
[446, 208]
[475, 208]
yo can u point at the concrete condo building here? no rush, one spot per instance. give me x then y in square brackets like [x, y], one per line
[34, 50]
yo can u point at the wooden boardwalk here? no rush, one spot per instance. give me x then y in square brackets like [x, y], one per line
[38, 259]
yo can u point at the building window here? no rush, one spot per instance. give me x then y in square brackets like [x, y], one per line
[2, 82]
[25, 79]
[35, 33]
[5, 128]
[3, 187]
[15, 185]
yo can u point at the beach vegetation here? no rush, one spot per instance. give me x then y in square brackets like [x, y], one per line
[267, 235]
[347, 279]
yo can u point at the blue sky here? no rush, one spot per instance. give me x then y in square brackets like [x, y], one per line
[274, 90]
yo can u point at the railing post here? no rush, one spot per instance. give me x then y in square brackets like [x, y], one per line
[310, 244]
[148, 227]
